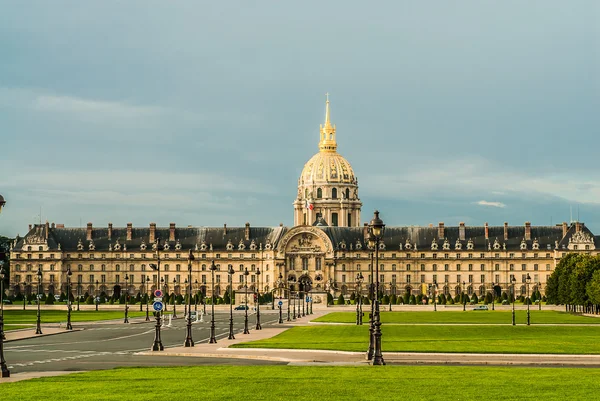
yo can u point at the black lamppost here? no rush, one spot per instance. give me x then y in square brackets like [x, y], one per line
[4, 368]
[174, 296]
[289, 317]
[528, 279]
[371, 350]
[38, 329]
[188, 338]
[359, 280]
[246, 331]
[212, 340]
[157, 345]
[196, 295]
[493, 294]
[513, 280]
[147, 298]
[25, 295]
[464, 298]
[69, 326]
[292, 279]
[377, 229]
[434, 292]
[2, 275]
[539, 285]
[230, 272]
[258, 326]
[279, 285]
[126, 296]
[97, 297]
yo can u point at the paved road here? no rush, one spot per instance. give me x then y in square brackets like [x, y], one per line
[113, 344]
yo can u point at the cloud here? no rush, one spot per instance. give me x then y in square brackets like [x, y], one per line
[493, 204]
[71, 104]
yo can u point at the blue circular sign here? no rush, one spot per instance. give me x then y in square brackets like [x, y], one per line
[158, 306]
[280, 303]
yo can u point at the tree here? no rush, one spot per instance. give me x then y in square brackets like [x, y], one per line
[474, 299]
[340, 300]
[412, 300]
[593, 289]
[49, 300]
[385, 300]
[352, 296]
[488, 299]
[329, 299]
[394, 299]
[226, 298]
[406, 298]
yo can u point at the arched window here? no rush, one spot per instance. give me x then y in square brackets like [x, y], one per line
[319, 193]
[334, 193]
[347, 193]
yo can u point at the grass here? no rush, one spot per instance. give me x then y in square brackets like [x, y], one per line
[315, 383]
[441, 338]
[460, 317]
[21, 317]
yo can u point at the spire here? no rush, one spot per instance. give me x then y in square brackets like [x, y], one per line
[327, 142]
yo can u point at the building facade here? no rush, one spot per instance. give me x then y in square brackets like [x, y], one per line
[324, 252]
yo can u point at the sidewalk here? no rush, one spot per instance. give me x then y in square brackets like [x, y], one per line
[16, 335]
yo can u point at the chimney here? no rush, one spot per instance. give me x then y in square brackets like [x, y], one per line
[172, 232]
[48, 229]
[577, 227]
[565, 228]
[366, 233]
[461, 231]
[109, 231]
[30, 227]
[129, 229]
[88, 233]
[487, 231]
[441, 230]
[527, 231]
[152, 233]
[505, 231]
[247, 232]
[224, 229]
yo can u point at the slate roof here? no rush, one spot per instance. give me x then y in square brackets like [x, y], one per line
[218, 237]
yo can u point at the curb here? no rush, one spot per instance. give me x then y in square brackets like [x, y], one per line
[42, 335]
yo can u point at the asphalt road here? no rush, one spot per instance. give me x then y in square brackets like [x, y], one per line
[112, 344]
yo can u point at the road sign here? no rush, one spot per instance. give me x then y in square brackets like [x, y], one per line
[158, 293]
[157, 299]
[280, 303]
[158, 306]
[307, 299]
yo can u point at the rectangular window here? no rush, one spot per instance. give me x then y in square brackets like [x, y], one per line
[52, 278]
[497, 266]
[178, 256]
[482, 255]
[470, 267]
[511, 267]
[434, 255]
[497, 279]
[408, 278]
[343, 278]
[523, 266]
[422, 268]
[408, 266]
[422, 278]
[334, 219]
[203, 256]
[423, 255]
[458, 278]
[434, 267]
[393, 279]
[458, 267]
[393, 268]
[470, 278]
[511, 255]
[435, 278]
[483, 278]
[305, 264]
[204, 278]
[318, 264]
[535, 267]
[446, 256]
[91, 278]
[217, 278]
[547, 266]
[446, 267]
[103, 278]
[446, 278]
[482, 267]
[497, 255]
[523, 278]
[408, 255]
[241, 278]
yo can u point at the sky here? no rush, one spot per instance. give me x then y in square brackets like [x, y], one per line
[204, 113]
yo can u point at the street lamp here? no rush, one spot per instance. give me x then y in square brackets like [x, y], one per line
[96, 296]
[528, 279]
[69, 326]
[212, 340]
[157, 345]
[289, 318]
[464, 298]
[126, 296]
[230, 272]
[258, 326]
[434, 292]
[246, 331]
[25, 295]
[196, 296]
[359, 280]
[279, 285]
[377, 229]
[38, 329]
[539, 285]
[493, 294]
[174, 296]
[292, 279]
[3, 366]
[2, 275]
[188, 338]
[147, 298]
[371, 350]
[513, 280]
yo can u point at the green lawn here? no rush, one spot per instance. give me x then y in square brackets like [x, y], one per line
[16, 327]
[441, 338]
[468, 317]
[54, 316]
[315, 383]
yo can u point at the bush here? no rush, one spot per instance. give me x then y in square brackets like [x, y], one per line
[89, 300]
[505, 302]
[406, 298]
[329, 299]
[412, 300]
[504, 296]
[340, 300]
[474, 299]
[385, 300]
[49, 299]
[487, 299]
[352, 296]
[419, 299]
[394, 299]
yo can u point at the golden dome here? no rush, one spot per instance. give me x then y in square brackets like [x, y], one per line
[327, 166]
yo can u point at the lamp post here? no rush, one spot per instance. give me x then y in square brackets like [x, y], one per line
[230, 271]
[189, 342]
[464, 298]
[258, 326]
[513, 280]
[212, 340]
[96, 295]
[279, 285]
[69, 326]
[434, 292]
[528, 279]
[371, 349]
[493, 294]
[3, 366]
[196, 296]
[2, 275]
[377, 229]
[293, 298]
[157, 344]
[246, 331]
[38, 329]
[359, 280]
[539, 285]
[25, 295]
[126, 320]
[174, 296]
[147, 298]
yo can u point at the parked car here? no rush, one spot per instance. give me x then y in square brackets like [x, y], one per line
[7, 301]
[241, 307]
[481, 307]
